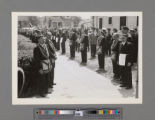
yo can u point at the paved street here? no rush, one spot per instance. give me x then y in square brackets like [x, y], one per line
[76, 81]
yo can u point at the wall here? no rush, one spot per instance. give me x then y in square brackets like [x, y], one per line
[131, 22]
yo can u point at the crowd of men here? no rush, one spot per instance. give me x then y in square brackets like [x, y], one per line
[101, 43]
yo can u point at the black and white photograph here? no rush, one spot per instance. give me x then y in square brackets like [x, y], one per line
[77, 58]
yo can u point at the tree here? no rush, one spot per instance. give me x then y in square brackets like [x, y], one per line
[33, 20]
[76, 20]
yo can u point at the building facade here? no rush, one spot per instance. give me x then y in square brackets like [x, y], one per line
[86, 24]
[59, 22]
[115, 22]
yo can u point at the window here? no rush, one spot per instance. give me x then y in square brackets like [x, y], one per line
[137, 21]
[122, 21]
[54, 24]
[59, 24]
[110, 20]
[100, 23]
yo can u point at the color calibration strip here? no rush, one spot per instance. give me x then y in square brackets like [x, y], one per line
[56, 112]
[108, 112]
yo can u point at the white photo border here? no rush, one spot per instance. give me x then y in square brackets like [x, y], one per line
[47, 101]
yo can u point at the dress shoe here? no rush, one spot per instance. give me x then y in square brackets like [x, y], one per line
[42, 95]
[116, 77]
[128, 87]
[99, 70]
[84, 64]
[103, 70]
[122, 86]
[54, 83]
[50, 86]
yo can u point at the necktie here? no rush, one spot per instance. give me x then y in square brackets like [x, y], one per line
[45, 47]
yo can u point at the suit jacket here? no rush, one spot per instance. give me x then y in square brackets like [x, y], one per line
[115, 50]
[39, 54]
[73, 39]
[102, 43]
[85, 41]
[51, 49]
[114, 46]
[93, 39]
[109, 39]
[127, 48]
[64, 36]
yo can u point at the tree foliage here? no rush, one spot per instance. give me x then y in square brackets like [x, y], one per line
[33, 20]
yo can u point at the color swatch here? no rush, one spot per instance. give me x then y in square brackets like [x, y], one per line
[107, 112]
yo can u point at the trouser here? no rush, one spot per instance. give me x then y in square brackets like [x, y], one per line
[63, 47]
[72, 51]
[58, 45]
[51, 81]
[88, 48]
[52, 75]
[126, 76]
[115, 65]
[101, 60]
[93, 50]
[55, 44]
[84, 56]
[135, 54]
[108, 50]
[42, 83]
[76, 46]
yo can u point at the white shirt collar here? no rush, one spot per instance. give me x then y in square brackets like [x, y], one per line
[123, 43]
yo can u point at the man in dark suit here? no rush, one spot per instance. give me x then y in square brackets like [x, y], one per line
[109, 42]
[84, 46]
[57, 40]
[102, 47]
[114, 55]
[72, 44]
[52, 56]
[126, 49]
[63, 47]
[134, 38]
